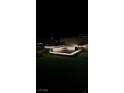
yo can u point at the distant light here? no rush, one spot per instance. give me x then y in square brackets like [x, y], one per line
[40, 43]
[51, 38]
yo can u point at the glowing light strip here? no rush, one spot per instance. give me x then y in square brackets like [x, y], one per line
[63, 46]
[69, 54]
[83, 46]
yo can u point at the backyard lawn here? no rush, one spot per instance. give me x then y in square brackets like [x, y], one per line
[55, 71]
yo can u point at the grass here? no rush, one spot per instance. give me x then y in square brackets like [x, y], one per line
[62, 70]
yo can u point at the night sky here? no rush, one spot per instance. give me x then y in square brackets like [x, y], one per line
[61, 20]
